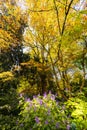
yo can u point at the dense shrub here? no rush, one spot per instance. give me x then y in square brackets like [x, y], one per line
[46, 113]
[76, 108]
[42, 113]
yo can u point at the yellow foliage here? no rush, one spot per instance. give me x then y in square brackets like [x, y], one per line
[6, 76]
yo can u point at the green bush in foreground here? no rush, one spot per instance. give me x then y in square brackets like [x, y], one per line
[45, 113]
[42, 113]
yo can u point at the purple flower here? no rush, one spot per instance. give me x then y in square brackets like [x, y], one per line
[53, 97]
[50, 92]
[27, 99]
[68, 127]
[21, 95]
[38, 95]
[45, 95]
[30, 104]
[57, 125]
[16, 122]
[66, 89]
[21, 124]
[37, 119]
[48, 112]
[46, 122]
[41, 102]
[34, 96]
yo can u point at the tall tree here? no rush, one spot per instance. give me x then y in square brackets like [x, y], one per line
[54, 32]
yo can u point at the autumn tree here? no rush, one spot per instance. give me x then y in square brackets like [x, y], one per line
[53, 35]
[55, 30]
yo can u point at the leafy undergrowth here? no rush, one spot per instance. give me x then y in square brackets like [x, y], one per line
[46, 113]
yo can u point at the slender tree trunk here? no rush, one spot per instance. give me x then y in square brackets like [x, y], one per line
[84, 73]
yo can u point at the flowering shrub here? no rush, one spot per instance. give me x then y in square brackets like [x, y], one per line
[42, 113]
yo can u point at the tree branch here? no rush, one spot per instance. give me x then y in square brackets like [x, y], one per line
[66, 14]
[57, 14]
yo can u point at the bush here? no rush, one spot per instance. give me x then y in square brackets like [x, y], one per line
[42, 113]
[77, 109]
